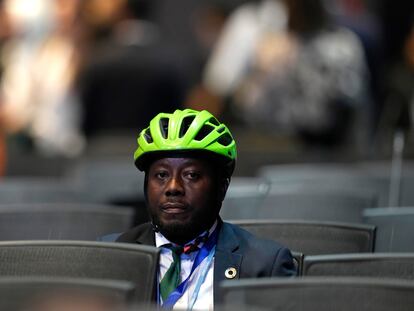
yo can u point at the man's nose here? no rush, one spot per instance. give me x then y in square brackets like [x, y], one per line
[174, 186]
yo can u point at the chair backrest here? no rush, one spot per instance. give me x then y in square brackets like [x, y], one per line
[381, 265]
[320, 294]
[298, 259]
[108, 180]
[40, 190]
[395, 228]
[315, 204]
[312, 237]
[62, 221]
[374, 177]
[98, 260]
[244, 196]
[45, 293]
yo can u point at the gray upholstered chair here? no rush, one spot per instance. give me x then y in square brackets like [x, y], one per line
[320, 294]
[56, 221]
[381, 265]
[395, 228]
[45, 293]
[314, 237]
[85, 259]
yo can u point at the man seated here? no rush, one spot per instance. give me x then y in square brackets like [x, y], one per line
[188, 158]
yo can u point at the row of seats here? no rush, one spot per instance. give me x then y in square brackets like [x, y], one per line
[305, 294]
[320, 210]
[388, 230]
[129, 271]
[93, 181]
[249, 198]
[101, 178]
[312, 192]
[390, 182]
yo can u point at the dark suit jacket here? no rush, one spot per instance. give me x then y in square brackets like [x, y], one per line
[236, 248]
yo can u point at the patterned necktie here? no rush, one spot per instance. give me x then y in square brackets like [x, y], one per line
[172, 278]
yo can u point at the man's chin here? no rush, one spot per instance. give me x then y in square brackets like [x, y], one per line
[177, 230]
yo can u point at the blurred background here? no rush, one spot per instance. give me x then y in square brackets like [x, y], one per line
[318, 94]
[296, 80]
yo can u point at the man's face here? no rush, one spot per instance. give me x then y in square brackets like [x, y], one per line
[183, 197]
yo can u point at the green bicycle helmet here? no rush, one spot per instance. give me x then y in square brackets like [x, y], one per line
[186, 131]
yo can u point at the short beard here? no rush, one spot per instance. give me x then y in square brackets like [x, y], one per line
[177, 233]
[180, 233]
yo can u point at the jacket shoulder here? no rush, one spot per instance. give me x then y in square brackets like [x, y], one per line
[142, 234]
[246, 237]
[264, 257]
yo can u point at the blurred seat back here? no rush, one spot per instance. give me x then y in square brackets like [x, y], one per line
[56, 221]
[320, 294]
[108, 180]
[243, 198]
[58, 294]
[40, 190]
[395, 228]
[310, 204]
[381, 265]
[311, 237]
[373, 177]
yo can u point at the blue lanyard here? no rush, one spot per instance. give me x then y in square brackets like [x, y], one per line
[201, 279]
[205, 251]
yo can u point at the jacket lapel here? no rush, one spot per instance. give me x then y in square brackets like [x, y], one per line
[227, 259]
[142, 234]
[146, 236]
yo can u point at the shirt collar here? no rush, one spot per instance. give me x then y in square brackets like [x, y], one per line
[161, 240]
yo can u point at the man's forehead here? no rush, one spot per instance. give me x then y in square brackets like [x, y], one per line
[179, 161]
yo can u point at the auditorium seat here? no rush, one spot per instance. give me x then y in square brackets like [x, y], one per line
[97, 260]
[320, 294]
[381, 265]
[55, 221]
[395, 228]
[313, 237]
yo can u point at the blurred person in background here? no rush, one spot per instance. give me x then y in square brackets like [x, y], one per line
[130, 74]
[39, 108]
[285, 67]
[398, 113]
[5, 33]
[361, 17]
[233, 50]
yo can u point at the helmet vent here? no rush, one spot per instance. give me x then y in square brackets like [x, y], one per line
[147, 136]
[214, 121]
[185, 124]
[221, 129]
[203, 132]
[164, 127]
[225, 140]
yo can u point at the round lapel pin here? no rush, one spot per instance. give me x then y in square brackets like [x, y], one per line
[230, 273]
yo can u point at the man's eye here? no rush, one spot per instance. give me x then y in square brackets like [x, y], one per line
[161, 175]
[193, 175]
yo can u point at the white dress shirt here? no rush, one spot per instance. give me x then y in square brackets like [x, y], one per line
[204, 300]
